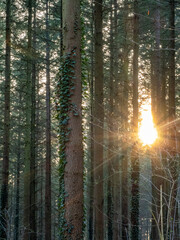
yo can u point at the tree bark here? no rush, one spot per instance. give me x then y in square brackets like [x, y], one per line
[110, 122]
[17, 217]
[73, 150]
[125, 95]
[5, 165]
[134, 154]
[27, 157]
[91, 182]
[172, 131]
[33, 135]
[98, 124]
[116, 162]
[157, 167]
[48, 134]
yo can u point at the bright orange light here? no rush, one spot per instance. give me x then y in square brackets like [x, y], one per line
[147, 132]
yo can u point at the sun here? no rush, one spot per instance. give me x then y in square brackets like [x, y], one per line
[147, 132]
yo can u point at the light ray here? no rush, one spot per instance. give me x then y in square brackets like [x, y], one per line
[147, 132]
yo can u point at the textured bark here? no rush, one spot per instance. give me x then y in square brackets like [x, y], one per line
[48, 135]
[91, 183]
[134, 154]
[73, 173]
[172, 106]
[27, 157]
[61, 30]
[40, 165]
[98, 124]
[33, 136]
[172, 131]
[5, 165]
[124, 180]
[110, 122]
[116, 162]
[16, 219]
[157, 167]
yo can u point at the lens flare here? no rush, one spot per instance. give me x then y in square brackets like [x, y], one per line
[147, 132]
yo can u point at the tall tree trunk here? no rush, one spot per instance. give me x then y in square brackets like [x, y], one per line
[61, 30]
[5, 165]
[91, 183]
[98, 124]
[71, 151]
[110, 131]
[164, 74]
[16, 219]
[28, 100]
[157, 170]
[134, 154]
[125, 207]
[172, 131]
[48, 134]
[116, 162]
[40, 162]
[33, 137]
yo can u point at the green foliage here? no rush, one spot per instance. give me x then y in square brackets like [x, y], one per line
[64, 90]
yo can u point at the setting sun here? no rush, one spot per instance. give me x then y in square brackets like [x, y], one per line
[147, 132]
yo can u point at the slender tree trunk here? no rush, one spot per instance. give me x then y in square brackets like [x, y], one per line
[71, 152]
[61, 55]
[165, 187]
[91, 202]
[41, 227]
[33, 139]
[110, 132]
[61, 30]
[157, 167]
[172, 131]
[40, 166]
[134, 154]
[116, 162]
[5, 165]
[98, 124]
[28, 100]
[48, 135]
[16, 219]
[172, 105]
[125, 207]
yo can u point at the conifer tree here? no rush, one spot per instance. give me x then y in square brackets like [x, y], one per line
[5, 167]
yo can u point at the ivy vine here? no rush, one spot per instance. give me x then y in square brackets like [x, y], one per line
[64, 90]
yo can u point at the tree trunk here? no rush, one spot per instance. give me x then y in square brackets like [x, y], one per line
[124, 181]
[16, 219]
[71, 151]
[116, 162]
[98, 124]
[134, 154]
[28, 100]
[33, 138]
[91, 182]
[172, 131]
[5, 165]
[110, 122]
[157, 167]
[48, 134]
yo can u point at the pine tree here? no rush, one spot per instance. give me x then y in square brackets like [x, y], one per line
[5, 167]
[134, 154]
[70, 122]
[48, 134]
[98, 122]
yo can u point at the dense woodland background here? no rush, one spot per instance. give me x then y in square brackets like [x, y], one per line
[72, 172]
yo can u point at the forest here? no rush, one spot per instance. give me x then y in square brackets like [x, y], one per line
[90, 120]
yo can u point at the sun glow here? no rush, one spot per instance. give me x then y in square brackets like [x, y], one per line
[147, 132]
